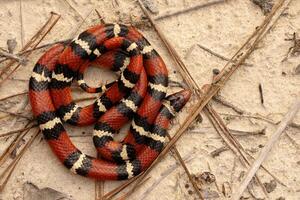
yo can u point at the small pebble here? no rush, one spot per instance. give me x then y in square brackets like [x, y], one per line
[280, 198]
[216, 71]
[11, 45]
[297, 69]
[208, 177]
[270, 187]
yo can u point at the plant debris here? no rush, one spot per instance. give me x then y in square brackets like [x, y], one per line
[210, 194]
[207, 177]
[11, 45]
[151, 5]
[265, 5]
[295, 49]
[271, 186]
[226, 189]
[261, 94]
[297, 70]
[217, 152]
[32, 192]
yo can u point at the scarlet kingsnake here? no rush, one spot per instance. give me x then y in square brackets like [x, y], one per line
[138, 94]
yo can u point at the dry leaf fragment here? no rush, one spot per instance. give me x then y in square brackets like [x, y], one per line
[210, 194]
[265, 5]
[226, 189]
[207, 177]
[297, 69]
[32, 192]
[270, 187]
[11, 45]
[151, 6]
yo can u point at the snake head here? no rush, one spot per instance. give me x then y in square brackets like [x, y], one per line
[179, 99]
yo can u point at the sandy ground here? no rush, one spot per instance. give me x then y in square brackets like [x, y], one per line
[222, 28]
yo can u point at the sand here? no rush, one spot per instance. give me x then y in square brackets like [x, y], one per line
[221, 28]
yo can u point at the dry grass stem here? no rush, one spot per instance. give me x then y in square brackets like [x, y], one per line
[188, 158]
[13, 145]
[17, 131]
[100, 17]
[220, 56]
[194, 184]
[4, 177]
[256, 116]
[267, 148]
[99, 190]
[221, 100]
[115, 191]
[13, 95]
[293, 141]
[21, 23]
[183, 70]
[17, 114]
[66, 41]
[261, 131]
[192, 8]
[217, 152]
[127, 194]
[74, 9]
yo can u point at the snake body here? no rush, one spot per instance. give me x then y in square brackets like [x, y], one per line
[139, 94]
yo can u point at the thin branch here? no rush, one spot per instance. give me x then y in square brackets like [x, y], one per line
[21, 60]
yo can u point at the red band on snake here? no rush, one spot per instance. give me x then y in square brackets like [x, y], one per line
[139, 94]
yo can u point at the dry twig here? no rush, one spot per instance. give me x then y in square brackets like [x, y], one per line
[21, 60]
[217, 152]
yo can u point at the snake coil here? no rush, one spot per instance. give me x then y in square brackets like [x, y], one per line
[139, 94]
